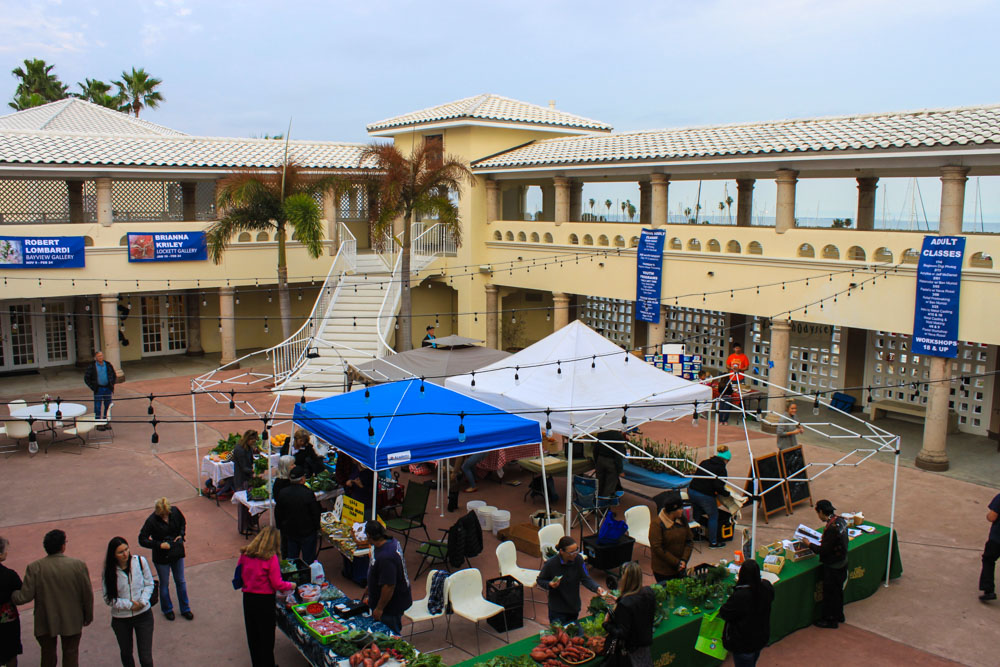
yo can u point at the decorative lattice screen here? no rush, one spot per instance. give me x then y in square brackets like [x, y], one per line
[32, 202]
[702, 332]
[612, 317]
[353, 204]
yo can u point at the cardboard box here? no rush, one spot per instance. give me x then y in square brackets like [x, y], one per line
[524, 536]
[774, 563]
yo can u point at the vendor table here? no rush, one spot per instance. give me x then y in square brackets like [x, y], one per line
[311, 649]
[256, 507]
[220, 470]
[556, 465]
[797, 602]
[498, 458]
[659, 480]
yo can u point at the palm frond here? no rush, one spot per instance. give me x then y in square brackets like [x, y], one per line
[306, 218]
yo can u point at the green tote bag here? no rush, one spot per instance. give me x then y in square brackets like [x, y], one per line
[710, 636]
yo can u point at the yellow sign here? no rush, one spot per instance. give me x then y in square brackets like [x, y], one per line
[354, 511]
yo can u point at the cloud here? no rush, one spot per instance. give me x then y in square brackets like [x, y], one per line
[166, 19]
[35, 31]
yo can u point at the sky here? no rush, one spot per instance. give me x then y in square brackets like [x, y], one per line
[247, 68]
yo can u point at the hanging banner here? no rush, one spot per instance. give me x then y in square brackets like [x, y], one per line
[45, 252]
[167, 247]
[649, 275]
[939, 281]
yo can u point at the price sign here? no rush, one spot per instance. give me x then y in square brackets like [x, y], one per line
[354, 511]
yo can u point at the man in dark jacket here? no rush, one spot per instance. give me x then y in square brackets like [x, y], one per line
[296, 513]
[833, 557]
[388, 584]
[709, 483]
[562, 576]
[100, 378]
[747, 613]
[609, 464]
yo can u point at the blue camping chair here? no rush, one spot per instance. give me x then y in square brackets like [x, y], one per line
[589, 507]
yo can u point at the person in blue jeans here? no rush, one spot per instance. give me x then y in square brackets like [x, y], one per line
[707, 485]
[469, 470]
[163, 533]
[100, 378]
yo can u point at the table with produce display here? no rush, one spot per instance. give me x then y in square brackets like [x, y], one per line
[797, 601]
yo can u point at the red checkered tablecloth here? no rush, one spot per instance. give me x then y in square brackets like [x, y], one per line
[497, 459]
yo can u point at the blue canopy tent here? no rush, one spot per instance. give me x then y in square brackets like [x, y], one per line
[408, 425]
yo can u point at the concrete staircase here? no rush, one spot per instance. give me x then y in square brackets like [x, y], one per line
[349, 333]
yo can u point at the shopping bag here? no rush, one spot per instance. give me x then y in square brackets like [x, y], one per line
[710, 636]
[611, 529]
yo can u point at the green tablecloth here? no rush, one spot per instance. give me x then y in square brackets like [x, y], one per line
[797, 597]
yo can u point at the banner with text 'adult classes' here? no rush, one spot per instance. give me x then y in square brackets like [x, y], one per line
[649, 275]
[939, 283]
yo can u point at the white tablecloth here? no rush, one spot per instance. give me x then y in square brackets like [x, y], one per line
[218, 471]
[39, 413]
[260, 506]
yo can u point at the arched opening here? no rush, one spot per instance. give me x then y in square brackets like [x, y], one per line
[734, 247]
[755, 248]
[981, 260]
[856, 254]
[619, 241]
[603, 240]
[498, 235]
[88, 242]
[244, 237]
[522, 237]
[714, 246]
[295, 236]
[262, 236]
[831, 252]
[694, 244]
[547, 238]
[806, 250]
[574, 239]
[534, 237]
[883, 254]
[123, 241]
[675, 244]
[588, 239]
[633, 242]
[509, 236]
[911, 256]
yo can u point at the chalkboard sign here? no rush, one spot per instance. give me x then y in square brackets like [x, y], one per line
[793, 467]
[775, 498]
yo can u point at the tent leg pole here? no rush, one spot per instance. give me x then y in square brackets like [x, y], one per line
[194, 427]
[753, 521]
[545, 486]
[569, 487]
[447, 481]
[708, 428]
[437, 493]
[892, 511]
[375, 496]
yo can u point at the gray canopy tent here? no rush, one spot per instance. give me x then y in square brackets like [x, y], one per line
[453, 355]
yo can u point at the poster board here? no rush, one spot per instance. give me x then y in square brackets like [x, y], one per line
[776, 498]
[793, 469]
[354, 511]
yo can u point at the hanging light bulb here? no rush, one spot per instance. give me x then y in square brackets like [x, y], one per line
[368, 394]
[625, 418]
[149, 408]
[473, 383]
[517, 378]
[43, 306]
[548, 315]
[300, 292]
[302, 399]
[204, 302]
[422, 394]
[237, 298]
[436, 322]
[548, 423]
[155, 438]
[58, 408]
[559, 369]
[816, 404]
[269, 296]
[266, 328]
[371, 431]
[232, 401]
[513, 317]
[593, 362]
[694, 417]
[461, 427]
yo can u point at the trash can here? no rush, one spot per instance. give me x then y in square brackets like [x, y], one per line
[507, 592]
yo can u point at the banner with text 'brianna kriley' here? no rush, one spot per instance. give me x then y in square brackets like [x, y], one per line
[167, 247]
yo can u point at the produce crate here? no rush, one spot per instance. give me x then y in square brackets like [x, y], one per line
[774, 563]
[507, 592]
[300, 613]
[301, 575]
[524, 536]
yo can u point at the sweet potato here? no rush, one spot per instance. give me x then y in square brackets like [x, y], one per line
[368, 662]
[538, 655]
[549, 640]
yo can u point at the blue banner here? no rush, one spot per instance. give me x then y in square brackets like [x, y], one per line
[939, 282]
[167, 247]
[42, 252]
[649, 275]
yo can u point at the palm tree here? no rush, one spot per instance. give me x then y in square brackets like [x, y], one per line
[607, 204]
[37, 85]
[687, 214]
[631, 211]
[729, 204]
[403, 186]
[98, 92]
[138, 90]
[254, 200]
[592, 201]
[624, 207]
[722, 209]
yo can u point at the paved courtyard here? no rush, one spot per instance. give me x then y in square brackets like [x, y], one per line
[930, 616]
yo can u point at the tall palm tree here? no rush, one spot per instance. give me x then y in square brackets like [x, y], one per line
[729, 205]
[624, 207]
[592, 201]
[98, 92]
[607, 205]
[722, 209]
[37, 85]
[403, 186]
[631, 211]
[254, 200]
[138, 91]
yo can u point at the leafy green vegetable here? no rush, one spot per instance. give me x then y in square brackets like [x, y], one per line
[227, 444]
[426, 660]
[593, 626]
[508, 661]
[404, 647]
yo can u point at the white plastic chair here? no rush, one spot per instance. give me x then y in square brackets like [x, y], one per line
[81, 428]
[507, 559]
[464, 591]
[638, 519]
[548, 536]
[17, 431]
[109, 433]
[418, 611]
[16, 404]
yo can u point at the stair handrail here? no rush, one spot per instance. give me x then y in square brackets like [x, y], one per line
[431, 241]
[387, 312]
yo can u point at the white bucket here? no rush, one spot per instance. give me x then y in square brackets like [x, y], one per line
[474, 505]
[485, 515]
[501, 520]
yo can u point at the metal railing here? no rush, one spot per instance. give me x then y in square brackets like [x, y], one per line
[431, 241]
[290, 355]
[387, 313]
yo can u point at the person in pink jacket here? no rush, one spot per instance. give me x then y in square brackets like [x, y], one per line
[261, 574]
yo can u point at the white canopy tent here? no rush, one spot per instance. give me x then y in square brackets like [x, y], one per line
[578, 382]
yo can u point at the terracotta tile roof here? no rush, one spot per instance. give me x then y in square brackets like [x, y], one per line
[492, 108]
[79, 116]
[946, 127]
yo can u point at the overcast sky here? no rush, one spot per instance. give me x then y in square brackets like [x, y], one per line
[244, 68]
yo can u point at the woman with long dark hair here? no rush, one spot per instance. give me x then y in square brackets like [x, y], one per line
[630, 623]
[128, 585]
[261, 574]
[243, 466]
[747, 613]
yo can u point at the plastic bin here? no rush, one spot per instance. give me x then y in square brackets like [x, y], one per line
[507, 592]
[485, 515]
[473, 505]
[608, 556]
[500, 520]
[301, 575]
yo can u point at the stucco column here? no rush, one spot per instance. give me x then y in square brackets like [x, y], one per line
[562, 199]
[492, 318]
[934, 454]
[784, 216]
[227, 311]
[83, 329]
[105, 216]
[866, 202]
[659, 193]
[575, 201]
[656, 334]
[330, 215]
[189, 201]
[744, 201]
[645, 202]
[215, 197]
[192, 311]
[952, 199]
[492, 201]
[560, 310]
[74, 194]
[780, 343]
[109, 332]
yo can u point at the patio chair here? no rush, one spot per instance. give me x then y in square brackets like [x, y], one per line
[439, 552]
[411, 513]
[464, 591]
[589, 505]
[108, 433]
[82, 427]
[638, 519]
[548, 536]
[16, 404]
[507, 559]
[16, 431]
[419, 611]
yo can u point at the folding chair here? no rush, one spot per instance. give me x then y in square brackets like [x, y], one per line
[548, 536]
[411, 513]
[419, 611]
[16, 431]
[465, 597]
[588, 504]
[638, 519]
[436, 552]
[507, 559]
[108, 433]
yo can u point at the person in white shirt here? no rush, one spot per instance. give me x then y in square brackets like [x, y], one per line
[128, 586]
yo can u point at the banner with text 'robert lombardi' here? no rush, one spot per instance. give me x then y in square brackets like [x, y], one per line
[167, 247]
[939, 282]
[42, 252]
[649, 275]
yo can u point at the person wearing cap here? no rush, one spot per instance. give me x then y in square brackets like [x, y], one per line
[429, 338]
[706, 486]
[388, 593]
[833, 558]
[296, 515]
[670, 542]
[991, 552]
